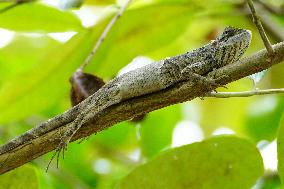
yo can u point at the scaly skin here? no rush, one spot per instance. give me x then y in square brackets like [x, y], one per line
[225, 49]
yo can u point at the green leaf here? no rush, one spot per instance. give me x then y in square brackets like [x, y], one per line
[156, 130]
[35, 17]
[278, 19]
[115, 136]
[217, 113]
[257, 77]
[29, 51]
[20, 178]
[100, 2]
[46, 84]
[270, 181]
[135, 35]
[69, 4]
[280, 149]
[263, 118]
[220, 162]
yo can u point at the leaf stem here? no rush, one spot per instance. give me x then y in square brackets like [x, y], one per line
[104, 34]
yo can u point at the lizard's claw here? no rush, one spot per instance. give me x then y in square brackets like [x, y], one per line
[62, 147]
[208, 82]
[211, 83]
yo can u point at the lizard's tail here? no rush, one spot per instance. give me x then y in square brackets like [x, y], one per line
[95, 103]
[53, 123]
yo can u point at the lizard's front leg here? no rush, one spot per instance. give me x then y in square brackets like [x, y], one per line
[194, 72]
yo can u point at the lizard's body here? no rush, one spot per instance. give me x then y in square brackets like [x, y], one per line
[227, 48]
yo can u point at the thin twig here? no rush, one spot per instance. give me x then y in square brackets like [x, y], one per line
[244, 93]
[259, 26]
[104, 34]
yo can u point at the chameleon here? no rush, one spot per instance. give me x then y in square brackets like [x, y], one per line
[193, 65]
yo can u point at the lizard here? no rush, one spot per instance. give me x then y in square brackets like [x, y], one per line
[225, 49]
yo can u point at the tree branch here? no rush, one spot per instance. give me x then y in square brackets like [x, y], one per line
[181, 92]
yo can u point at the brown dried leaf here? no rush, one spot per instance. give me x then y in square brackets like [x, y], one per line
[83, 85]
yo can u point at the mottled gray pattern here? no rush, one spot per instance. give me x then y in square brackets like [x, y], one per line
[227, 48]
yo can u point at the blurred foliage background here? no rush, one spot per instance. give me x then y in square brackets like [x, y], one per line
[44, 42]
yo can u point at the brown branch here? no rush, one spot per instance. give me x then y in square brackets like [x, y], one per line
[259, 26]
[181, 92]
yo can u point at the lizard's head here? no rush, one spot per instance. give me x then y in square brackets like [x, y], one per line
[232, 44]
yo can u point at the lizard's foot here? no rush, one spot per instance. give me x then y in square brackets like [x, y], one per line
[209, 83]
[62, 147]
[189, 73]
[213, 83]
[64, 141]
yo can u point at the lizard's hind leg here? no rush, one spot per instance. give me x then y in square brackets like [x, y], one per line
[65, 139]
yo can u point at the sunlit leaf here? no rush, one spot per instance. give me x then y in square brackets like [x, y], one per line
[135, 35]
[256, 78]
[68, 4]
[280, 150]
[35, 17]
[156, 130]
[22, 177]
[115, 135]
[100, 2]
[263, 118]
[137, 62]
[45, 84]
[278, 19]
[221, 162]
[269, 181]
[29, 51]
